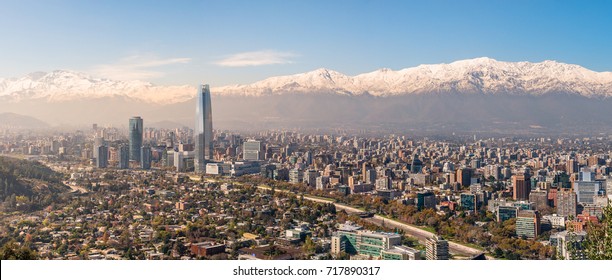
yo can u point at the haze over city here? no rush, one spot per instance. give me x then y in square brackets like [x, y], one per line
[314, 130]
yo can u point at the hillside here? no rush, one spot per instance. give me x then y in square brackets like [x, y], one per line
[27, 185]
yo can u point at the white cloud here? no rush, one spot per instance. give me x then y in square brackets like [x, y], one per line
[137, 67]
[256, 58]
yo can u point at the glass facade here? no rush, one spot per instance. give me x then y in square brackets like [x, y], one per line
[468, 201]
[506, 212]
[135, 137]
[203, 129]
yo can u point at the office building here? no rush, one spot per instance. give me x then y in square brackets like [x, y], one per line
[310, 177]
[322, 182]
[352, 240]
[98, 141]
[587, 190]
[464, 176]
[539, 199]
[436, 248]
[505, 213]
[566, 203]
[124, 156]
[102, 159]
[521, 187]
[203, 129]
[528, 224]
[145, 157]
[417, 165]
[296, 176]
[468, 201]
[135, 130]
[252, 150]
[383, 183]
[426, 200]
[370, 176]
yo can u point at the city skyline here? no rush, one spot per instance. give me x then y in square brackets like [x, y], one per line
[345, 130]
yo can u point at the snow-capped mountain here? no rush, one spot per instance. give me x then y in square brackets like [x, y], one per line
[479, 75]
[472, 76]
[63, 85]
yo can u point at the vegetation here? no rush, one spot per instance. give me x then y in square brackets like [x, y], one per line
[13, 251]
[598, 244]
[499, 238]
[28, 186]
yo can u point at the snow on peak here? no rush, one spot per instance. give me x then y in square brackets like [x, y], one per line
[64, 85]
[479, 75]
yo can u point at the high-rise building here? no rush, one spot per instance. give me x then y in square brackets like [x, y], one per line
[98, 141]
[469, 201]
[572, 166]
[426, 199]
[370, 176]
[135, 130]
[124, 157]
[528, 224]
[417, 165]
[252, 150]
[364, 170]
[436, 248]
[464, 176]
[540, 199]
[145, 153]
[521, 187]
[586, 187]
[310, 177]
[566, 203]
[505, 213]
[296, 176]
[102, 159]
[203, 129]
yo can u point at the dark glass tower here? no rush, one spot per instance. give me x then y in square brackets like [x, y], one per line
[203, 129]
[145, 162]
[124, 156]
[135, 131]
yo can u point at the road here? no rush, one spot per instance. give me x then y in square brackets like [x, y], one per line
[75, 189]
[410, 230]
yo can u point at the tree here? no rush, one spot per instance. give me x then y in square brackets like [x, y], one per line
[598, 243]
[309, 245]
[11, 251]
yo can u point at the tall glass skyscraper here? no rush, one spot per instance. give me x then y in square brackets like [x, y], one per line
[203, 129]
[135, 137]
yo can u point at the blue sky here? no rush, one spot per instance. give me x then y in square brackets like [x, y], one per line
[231, 42]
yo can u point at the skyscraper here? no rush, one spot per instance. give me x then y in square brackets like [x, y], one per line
[124, 156]
[252, 150]
[203, 129]
[102, 159]
[145, 152]
[522, 187]
[135, 130]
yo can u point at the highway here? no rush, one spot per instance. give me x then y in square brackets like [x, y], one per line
[410, 230]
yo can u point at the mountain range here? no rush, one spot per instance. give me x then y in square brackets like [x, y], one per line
[475, 94]
[481, 75]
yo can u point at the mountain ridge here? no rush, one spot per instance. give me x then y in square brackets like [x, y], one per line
[479, 75]
[471, 76]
